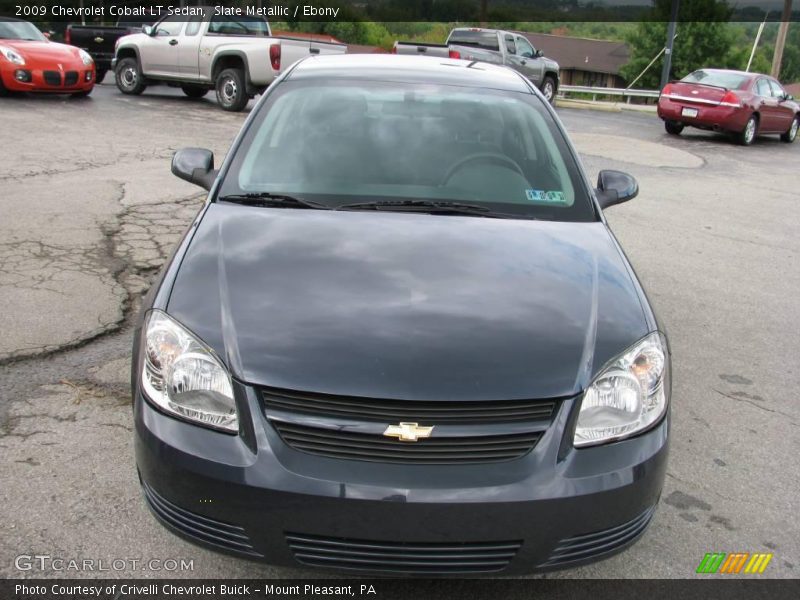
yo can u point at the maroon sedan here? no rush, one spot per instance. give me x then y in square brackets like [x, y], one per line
[743, 104]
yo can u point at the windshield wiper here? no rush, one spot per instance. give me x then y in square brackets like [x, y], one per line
[429, 206]
[269, 199]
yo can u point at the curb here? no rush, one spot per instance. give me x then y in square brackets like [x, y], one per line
[605, 106]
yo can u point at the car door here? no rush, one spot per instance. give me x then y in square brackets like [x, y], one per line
[769, 106]
[530, 66]
[159, 52]
[512, 59]
[189, 49]
[784, 115]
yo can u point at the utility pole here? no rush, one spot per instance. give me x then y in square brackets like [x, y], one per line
[665, 71]
[484, 12]
[777, 58]
[755, 44]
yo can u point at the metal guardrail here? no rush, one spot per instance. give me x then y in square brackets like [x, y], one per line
[627, 94]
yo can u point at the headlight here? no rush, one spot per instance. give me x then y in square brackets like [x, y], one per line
[628, 396]
[184, 377]
[12, 55]
[85, 57]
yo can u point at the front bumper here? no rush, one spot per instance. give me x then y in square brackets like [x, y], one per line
[716, 117]
[69, 81]
[253, 496]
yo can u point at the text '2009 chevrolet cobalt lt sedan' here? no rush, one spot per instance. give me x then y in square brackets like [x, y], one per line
[400, 337]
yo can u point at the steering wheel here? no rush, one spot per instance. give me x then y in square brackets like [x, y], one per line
[486, 157]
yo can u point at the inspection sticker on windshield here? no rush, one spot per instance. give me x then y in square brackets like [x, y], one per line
[547, 197]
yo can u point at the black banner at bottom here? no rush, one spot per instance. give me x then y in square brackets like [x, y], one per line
[400, 589]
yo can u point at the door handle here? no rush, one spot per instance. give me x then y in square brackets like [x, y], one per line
[523, 62]
[173, 42]
[314, 50]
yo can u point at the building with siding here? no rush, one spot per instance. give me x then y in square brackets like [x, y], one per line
[584, 61]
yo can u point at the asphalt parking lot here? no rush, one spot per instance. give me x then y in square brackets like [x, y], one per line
[90, 212]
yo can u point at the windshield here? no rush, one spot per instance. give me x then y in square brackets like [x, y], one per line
[355, 141]
[731, 81]
[481, 39]
[20, 30]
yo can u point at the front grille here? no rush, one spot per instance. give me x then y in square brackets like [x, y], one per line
[594, 545]
[333, 443]
[393, 411]
[70, 78]
[52, 78]
[402, 557]
[225, 536]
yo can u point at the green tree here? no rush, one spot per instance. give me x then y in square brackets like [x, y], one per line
[704, 40]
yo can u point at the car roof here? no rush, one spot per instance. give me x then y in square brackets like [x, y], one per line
[410, 69]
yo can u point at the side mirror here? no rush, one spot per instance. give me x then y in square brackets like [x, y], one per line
[149, 30]
[47, 34]
[195, 165]
[615, 187]
[788, 97]
[539, 54]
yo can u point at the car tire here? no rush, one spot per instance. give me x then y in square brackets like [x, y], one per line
[82, 94]
[549, 89]
[748, 135]
[790, 135]
[673, 127]
[3, 91]
[129, 77]
[99, 75]
[231, 92]
[194, 91]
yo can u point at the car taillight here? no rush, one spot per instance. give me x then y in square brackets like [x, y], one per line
[454, 54]
[731, 99]
[275, 56]
[667, 90]
[394, 49]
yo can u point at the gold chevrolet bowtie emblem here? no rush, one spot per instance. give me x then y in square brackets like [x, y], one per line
[408, 432]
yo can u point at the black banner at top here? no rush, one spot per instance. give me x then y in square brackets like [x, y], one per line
[462, 11]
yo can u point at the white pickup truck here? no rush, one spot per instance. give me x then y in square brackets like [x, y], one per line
[235, 55]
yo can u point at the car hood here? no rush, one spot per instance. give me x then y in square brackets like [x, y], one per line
[407, 306]
[549, 63]
[33, 51]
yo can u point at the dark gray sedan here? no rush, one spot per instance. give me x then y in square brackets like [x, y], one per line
[400, 337]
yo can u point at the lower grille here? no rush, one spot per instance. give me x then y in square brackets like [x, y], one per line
[593, 545]
[402, 557]
[334, 443]
[70, 78]
[203, 529]
[52, 78]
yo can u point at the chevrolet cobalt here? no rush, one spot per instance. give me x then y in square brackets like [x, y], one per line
[400, 337]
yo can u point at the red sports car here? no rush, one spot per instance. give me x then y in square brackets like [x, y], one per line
[743, 104]
[29, 62]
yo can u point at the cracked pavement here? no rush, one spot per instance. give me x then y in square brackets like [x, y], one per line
[91, 212]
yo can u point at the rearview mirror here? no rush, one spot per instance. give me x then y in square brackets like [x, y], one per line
[195, 165]
[615, 187]
[148, 30]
